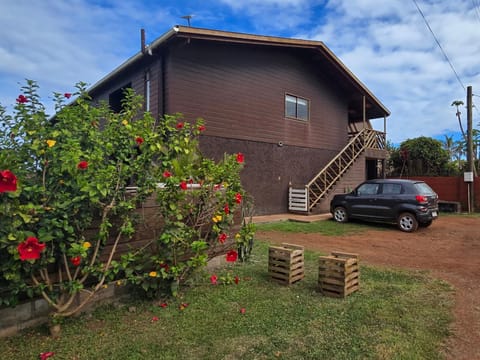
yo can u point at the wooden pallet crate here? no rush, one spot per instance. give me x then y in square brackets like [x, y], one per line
[286, 263]
[338, 274]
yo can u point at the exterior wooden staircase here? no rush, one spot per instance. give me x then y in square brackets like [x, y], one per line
[303, 199]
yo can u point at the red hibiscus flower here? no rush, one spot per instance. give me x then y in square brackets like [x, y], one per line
[238, 198]
[167, 174]
[201, 128]
[46, 355]
[76, 260]
[183, 185]
[232, 256]
[240, 158]
[67, 95]
[163, 305]
[154, 318]
[180, 125]
[217, 187]
[8, 181]
[22, 99]
[164, 266]
[30, 249]
[82, 165]
[236, 279]
[213, 279]
[183, 306]
[226, 209]
[243, 311]
[139, 140]
[222, 237]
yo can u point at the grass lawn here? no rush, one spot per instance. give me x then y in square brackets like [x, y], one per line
[324, 227]
[395, 315]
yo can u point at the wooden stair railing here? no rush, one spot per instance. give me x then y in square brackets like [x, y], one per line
[324, 181]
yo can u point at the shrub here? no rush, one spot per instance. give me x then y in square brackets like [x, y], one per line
[62, 176]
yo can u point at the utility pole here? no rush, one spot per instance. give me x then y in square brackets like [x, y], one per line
[470, 157]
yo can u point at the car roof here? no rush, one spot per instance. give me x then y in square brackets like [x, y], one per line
[398, 181]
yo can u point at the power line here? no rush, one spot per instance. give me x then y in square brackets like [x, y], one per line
[438, 43]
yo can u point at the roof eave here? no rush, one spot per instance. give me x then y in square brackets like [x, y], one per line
[125, 65]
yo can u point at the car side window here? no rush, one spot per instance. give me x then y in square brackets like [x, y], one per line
[391, 189]
[367, 189]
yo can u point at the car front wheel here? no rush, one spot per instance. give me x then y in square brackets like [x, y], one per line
[407, 222]
[340, 214]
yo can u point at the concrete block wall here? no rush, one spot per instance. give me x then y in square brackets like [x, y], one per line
[36, 311]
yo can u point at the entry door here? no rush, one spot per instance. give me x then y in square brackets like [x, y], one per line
[371, 169]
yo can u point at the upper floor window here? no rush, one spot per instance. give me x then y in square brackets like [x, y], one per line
[297, 107]
[116, 98]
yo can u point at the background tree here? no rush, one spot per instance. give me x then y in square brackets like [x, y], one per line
[463, 143]
[449, 145]
[422, 156]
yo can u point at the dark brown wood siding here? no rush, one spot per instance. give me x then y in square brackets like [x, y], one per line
[136, 77]
[269, 168]
[240, 92]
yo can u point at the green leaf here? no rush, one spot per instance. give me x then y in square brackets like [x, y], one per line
[25, 217]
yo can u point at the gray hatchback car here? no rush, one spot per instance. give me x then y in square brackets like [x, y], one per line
[408, 203]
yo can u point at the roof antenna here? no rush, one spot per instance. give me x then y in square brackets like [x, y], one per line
[187, 17]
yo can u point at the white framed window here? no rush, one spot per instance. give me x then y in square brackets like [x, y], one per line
[297, 107]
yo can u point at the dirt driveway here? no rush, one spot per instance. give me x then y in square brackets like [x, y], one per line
[450, 249]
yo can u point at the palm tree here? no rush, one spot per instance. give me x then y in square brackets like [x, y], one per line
[448, 145]
[458, 103]
[459, 153]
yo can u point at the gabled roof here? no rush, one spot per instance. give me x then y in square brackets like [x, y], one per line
[320, 53]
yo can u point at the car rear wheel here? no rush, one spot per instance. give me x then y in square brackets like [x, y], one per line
[340, 214]
[407, 222]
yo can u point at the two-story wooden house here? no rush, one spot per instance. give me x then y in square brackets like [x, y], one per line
[299, 116]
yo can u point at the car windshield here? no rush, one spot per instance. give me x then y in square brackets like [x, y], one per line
[423, 188]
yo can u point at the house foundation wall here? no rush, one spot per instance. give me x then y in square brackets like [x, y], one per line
[270, 168]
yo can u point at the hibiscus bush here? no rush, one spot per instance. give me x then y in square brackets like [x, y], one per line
[203, 209]
[70, 173]
[66, 198]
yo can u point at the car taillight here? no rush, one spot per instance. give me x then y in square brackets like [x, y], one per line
[421, 199]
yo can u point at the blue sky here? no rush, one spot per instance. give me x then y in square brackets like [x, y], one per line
[386, 44]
